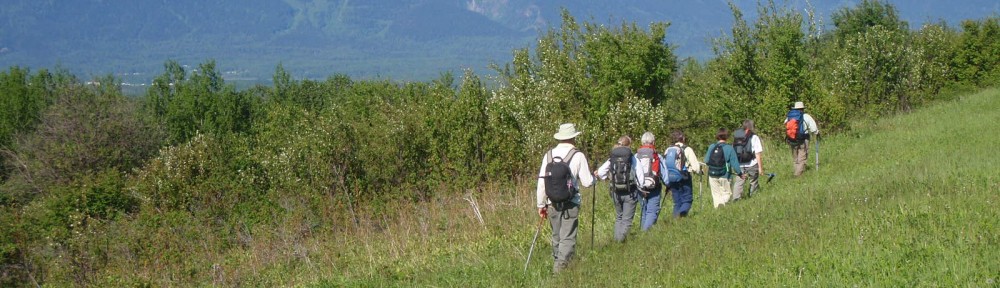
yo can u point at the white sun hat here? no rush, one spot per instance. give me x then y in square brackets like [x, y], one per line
[799, 105]
[566, 131]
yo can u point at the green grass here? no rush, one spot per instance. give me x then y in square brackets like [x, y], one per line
[903, 201]
[907, 201]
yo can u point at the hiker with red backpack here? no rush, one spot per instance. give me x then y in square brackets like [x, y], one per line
[563, 170]
[798, 126]
[748, 151]
[722, 165]
[678, 162]
[622, 185]
[648, 176]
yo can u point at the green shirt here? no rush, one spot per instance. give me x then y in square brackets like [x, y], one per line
[730, 155]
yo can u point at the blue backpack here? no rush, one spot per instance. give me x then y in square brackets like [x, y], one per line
[675, 172]
[795, 127]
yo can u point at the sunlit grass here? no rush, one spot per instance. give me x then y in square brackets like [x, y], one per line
[906, 201]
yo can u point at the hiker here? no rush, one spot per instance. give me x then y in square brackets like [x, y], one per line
[622, 189]
[798, 126]
[647, 175]
[748, 148]
[684, 162]
[563, 170]
[722, 164]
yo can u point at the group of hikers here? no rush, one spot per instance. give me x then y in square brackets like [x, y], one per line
[637, 180]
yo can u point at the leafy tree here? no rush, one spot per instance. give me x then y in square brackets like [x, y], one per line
[199, 103]
[873, 72]
[976, 60]
[583, 74]
[24, 97]
[764, 68]
[936, 43]
[87, 129]
[852, 21]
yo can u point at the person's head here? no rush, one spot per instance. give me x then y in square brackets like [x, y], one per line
[678, 136]
[648, 138]
[748, 125]
[624, 141]
[567, 133]
[722, 135]
[799, 105]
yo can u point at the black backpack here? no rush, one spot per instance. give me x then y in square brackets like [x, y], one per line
[559, 178]
[622, 176]
[717, 161]
[742, 145]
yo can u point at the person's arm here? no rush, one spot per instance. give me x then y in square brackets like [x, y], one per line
[602, 172]
[733, 161]
[583, 170]
[694, 166]
[758, 148]
[811, 126]
[540, 196]
[636, 172]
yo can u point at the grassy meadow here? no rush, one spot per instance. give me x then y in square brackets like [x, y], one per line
[902, 201]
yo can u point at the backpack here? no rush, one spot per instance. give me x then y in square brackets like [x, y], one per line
[676, 165]
[559, 178]
[742, 144]
[649, 165]
[795, 127]
[717, 161]
[622, 176]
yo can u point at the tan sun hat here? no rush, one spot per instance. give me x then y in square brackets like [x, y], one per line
[799, 105]
[566, 131]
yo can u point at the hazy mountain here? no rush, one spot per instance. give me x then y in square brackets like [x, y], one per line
[398, 39]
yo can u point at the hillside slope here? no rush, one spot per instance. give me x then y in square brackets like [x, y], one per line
[909, 201]
[904, 201]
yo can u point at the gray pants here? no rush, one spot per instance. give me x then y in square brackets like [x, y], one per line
[564, 224]
[738, 183]
[800, 154]
[624, 212]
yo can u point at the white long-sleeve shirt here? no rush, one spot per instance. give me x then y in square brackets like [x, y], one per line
[690, 158]
[578, 165]
[605, 169]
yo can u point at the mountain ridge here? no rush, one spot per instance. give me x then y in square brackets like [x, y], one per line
[316, 38]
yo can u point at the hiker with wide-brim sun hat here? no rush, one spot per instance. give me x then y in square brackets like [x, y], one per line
[564, 169]
[798, 126]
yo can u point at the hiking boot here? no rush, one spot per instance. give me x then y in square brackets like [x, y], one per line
[558, 266]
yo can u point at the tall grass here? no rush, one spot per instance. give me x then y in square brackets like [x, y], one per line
[903, 201]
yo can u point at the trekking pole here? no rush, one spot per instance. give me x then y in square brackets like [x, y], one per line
[593, 209]
[533, 240]
[701, 180]
[817, 152]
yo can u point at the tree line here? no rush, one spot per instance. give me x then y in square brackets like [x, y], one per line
[81, 162]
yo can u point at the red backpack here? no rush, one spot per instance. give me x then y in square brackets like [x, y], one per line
[649, 164]
[795, 127]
